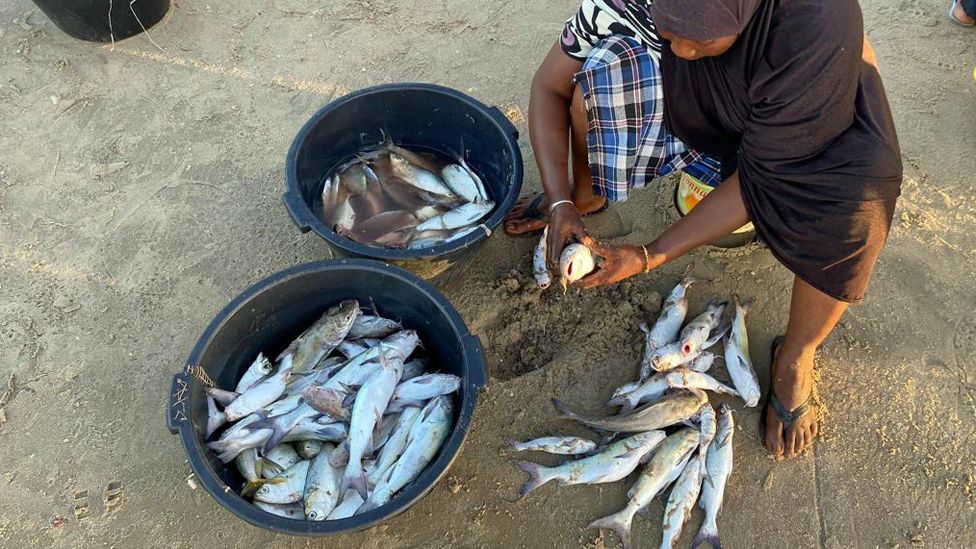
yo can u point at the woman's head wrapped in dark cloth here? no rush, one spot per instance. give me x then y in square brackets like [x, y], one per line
[703, 19]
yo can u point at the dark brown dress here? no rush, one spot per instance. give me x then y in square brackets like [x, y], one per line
[806, 121]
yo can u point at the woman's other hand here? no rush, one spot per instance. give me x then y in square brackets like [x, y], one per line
[619, 262]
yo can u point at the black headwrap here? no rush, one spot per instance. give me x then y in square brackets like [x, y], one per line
[804, 117]
[703, 19]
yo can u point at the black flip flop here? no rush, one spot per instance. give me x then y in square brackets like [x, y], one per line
[533, 212]
[787, 417]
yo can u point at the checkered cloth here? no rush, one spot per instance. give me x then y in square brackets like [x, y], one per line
[628, 142]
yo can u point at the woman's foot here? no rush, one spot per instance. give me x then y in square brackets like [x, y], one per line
[960, 16]
[530, 213]
[792, 383]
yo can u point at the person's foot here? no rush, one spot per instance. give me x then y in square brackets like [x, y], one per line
[961, 16]
[530, 213]
[793, 385]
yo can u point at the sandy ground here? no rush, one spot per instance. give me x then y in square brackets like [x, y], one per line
[139, 192]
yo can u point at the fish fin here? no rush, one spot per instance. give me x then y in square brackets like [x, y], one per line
[537, 477]
[252, 486]
[707, 535]
[215, 418]
[224, 398]
[270, 465]
[619, 522]
[356, 481]
[720, 331]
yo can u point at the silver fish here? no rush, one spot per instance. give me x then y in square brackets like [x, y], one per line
[367, 412]
[284, 456]
[221, 396]
[416, 391]
[672, 355]
[737, 360]
[703, 362]
[248, 465]
[330, 196]
[482, 192]
[283, 424]
[569, 446]
[718, 464]
[413, 369]
[395, 445]
[322, 337]
[460, 181]
[676, 408]
[229, 448]
[539, 268]
[668, 324]
[624, 389]
[328, 400]
[462, 216]
[289, 491]
[309, 449]
[427, 434]
[683, 378]
[321, 486]
[373, 326]
[260, 368]
[353, 179]
[350, 503]
[615, 462]
[682, 501]
[261, 394]
[215, 418]
[575, 262]
[417, 176]
[706, 426]
[351, 349]
[652, 390]
[383, 432]
[287, 510]
[695, 333]
[344, 217]
[665, 466]
[462, 232]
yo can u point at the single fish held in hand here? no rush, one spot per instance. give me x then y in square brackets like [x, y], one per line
[367, 412]
[289, 491]
[575, 262]
[674, 409]
[615, 462]
[460, 181]
[323, 337]
[737, 360]
[682, 501]
[695, 334]
[321, 486]
[567, 446]
[683, 378]
[668, 325]
[462, 216]
[395, 445]
[259, 369]
[427, 435]
[539, 269]
[664, 466]
[718, 465]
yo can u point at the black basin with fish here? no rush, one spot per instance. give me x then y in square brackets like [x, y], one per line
[267, 317]
[421, 116]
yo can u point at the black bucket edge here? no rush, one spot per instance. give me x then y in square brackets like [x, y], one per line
[178, 420]
[307, 221]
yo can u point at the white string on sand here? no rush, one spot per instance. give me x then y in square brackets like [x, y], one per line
[111, 31]
[143, 26]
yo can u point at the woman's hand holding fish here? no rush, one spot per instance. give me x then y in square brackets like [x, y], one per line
[619, 262]
[565, 227]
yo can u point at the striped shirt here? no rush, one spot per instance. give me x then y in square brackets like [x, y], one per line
[599, 19]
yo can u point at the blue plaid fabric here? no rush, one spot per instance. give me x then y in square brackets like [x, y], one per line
[628, 142]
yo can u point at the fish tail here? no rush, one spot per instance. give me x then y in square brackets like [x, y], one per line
[537, 476]
[619, 522]
[708, 534]
[355, 480]
[513, 444]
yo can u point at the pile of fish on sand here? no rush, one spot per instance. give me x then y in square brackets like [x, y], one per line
[341, 422]
[575, 262]
[390, 196]
[670, 425]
